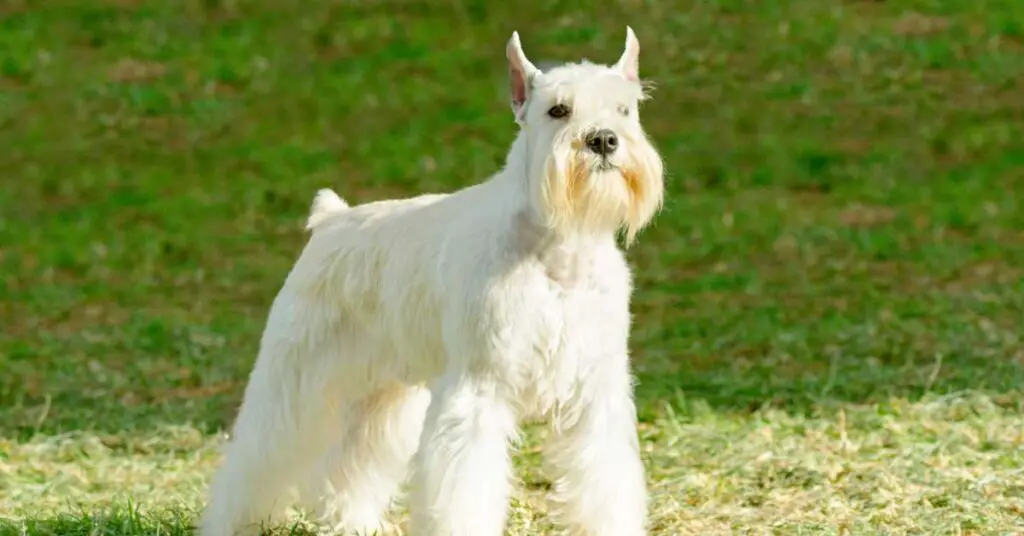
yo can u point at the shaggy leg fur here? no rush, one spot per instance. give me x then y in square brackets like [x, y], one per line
[271, 444]
[461, 484]
[600, 486]
[353, 485]
[291, 405]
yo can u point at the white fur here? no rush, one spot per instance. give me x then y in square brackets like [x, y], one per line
[413, 335]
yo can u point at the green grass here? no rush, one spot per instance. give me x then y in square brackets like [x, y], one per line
[830, 309]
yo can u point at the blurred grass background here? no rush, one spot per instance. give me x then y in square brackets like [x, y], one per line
[829, 310]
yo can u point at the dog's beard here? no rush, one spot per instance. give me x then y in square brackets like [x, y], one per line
[590, 193]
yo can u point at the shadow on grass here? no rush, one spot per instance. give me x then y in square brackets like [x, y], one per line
[796, 375]
[121, 521]
[761, 387]
[897, 348]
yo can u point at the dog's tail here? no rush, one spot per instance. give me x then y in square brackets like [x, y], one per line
[325, 204]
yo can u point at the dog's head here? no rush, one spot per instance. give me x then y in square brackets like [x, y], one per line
[594, 168]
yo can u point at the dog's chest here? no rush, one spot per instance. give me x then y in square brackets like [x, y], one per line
[577, 320]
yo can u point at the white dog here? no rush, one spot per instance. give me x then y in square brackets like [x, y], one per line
[413, 335]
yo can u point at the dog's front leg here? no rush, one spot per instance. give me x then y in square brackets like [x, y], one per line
[600, 487]
[462, 478]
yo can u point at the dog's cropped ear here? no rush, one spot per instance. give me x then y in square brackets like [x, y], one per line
[520, 75]
[629, 63]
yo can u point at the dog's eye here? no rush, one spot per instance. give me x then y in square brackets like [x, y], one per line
[559, 111]
[624, 110]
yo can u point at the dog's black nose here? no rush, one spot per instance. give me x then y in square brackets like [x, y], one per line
[603, 142]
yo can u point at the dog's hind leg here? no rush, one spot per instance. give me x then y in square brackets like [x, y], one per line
[290, 401]
[353, 485]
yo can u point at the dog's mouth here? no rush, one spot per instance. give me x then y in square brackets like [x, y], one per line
[604, 165]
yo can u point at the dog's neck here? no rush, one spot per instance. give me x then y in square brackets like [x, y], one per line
[567, 258]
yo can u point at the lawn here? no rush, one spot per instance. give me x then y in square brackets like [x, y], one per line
[829, 311]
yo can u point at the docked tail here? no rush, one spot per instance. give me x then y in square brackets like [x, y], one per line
[325, 204]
